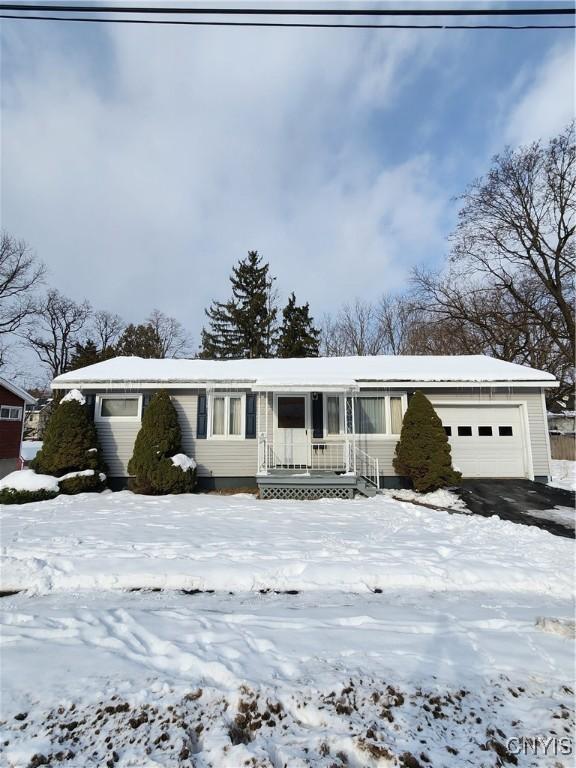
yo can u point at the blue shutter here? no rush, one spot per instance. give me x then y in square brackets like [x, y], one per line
[90, 406]
[202, 417]
[317, 415]
[250, 416]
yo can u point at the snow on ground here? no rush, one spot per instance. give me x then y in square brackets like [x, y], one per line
[418, 637]
[563, 474]
[30, 448]
[125, 541]
[317, 679]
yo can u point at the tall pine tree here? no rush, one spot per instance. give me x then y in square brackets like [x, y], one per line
[298, 336]
[244, 326]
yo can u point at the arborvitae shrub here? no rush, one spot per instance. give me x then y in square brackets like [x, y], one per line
[159, 438]
[81, 484]
[13, 496]
[423, 451]
[70, 445]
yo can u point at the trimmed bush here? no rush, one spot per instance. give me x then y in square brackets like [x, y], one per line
[13, 496]
[70, 445]
[423, 451]
[82, 484]
[159, 438]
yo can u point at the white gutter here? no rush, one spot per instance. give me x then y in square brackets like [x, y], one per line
[256, 387]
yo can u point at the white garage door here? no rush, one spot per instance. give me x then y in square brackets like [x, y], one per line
[486, 440]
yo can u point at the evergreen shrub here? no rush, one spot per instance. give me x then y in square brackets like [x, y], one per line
[423, 452]
[158, 440]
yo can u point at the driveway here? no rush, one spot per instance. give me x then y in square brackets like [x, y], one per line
[522, 501]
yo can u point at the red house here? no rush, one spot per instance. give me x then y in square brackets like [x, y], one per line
[12, 403]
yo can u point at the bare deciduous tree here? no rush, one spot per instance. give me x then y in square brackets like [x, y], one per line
[509, 286]
[108, 328]
[354, 331]
[59, 324]
[174, 340]
[20, 274]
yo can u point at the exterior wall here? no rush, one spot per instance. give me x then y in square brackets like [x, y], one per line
[215, 458]
[383, 449]
[239, 458]
[10, 431]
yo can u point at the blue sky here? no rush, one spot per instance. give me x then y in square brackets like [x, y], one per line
[140, 164]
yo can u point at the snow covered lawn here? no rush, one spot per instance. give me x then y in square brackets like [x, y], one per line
[239, 543]
[563, 474]
[417, 637]
[316, 679]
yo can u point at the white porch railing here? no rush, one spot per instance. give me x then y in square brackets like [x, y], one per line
[330, 456]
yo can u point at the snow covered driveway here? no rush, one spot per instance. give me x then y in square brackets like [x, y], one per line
[238, 543]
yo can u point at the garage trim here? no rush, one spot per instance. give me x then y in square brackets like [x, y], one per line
[527, 445]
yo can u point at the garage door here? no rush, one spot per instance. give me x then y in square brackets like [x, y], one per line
[486, 440]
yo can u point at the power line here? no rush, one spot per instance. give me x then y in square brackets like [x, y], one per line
[377, 12]
[271, 24]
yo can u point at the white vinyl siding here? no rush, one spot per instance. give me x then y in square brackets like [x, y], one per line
[238, 458]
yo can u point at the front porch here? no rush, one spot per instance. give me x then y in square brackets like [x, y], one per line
[308, 448]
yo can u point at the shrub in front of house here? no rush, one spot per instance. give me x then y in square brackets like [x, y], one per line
[13, 496]
[157, 465]
[423, 452]
[24, 486]
[70, 448]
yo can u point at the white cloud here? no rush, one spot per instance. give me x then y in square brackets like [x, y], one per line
[207, 144]
[546, 101]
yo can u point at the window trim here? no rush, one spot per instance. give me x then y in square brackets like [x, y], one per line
[365, 393]
[117, 419]
[210, 410]
[11, 418]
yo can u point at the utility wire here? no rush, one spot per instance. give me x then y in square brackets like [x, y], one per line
[27, 8]
[304, 25]
[169, 10]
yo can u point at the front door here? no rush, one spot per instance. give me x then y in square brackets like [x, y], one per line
[291, 434]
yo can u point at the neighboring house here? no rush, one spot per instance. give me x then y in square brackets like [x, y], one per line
[322, 423]
[36, 418]
[13, 400]
[562, 428]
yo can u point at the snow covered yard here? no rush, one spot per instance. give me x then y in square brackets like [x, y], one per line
[239, 543]
[564, 474]
[413, 640]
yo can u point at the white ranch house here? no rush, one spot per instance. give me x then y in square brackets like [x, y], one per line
[322, 426]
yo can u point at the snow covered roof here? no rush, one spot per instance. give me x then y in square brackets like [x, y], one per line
[307, 373]
[18, 391]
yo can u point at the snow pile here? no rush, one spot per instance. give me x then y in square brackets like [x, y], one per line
[563, 474]
[184, 462]
[202, 541]
[74, 394]
[28, 480]
[30, 448]
[440, 498]
[82, 473]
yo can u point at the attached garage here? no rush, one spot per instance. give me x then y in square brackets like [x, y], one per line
[487, 440]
